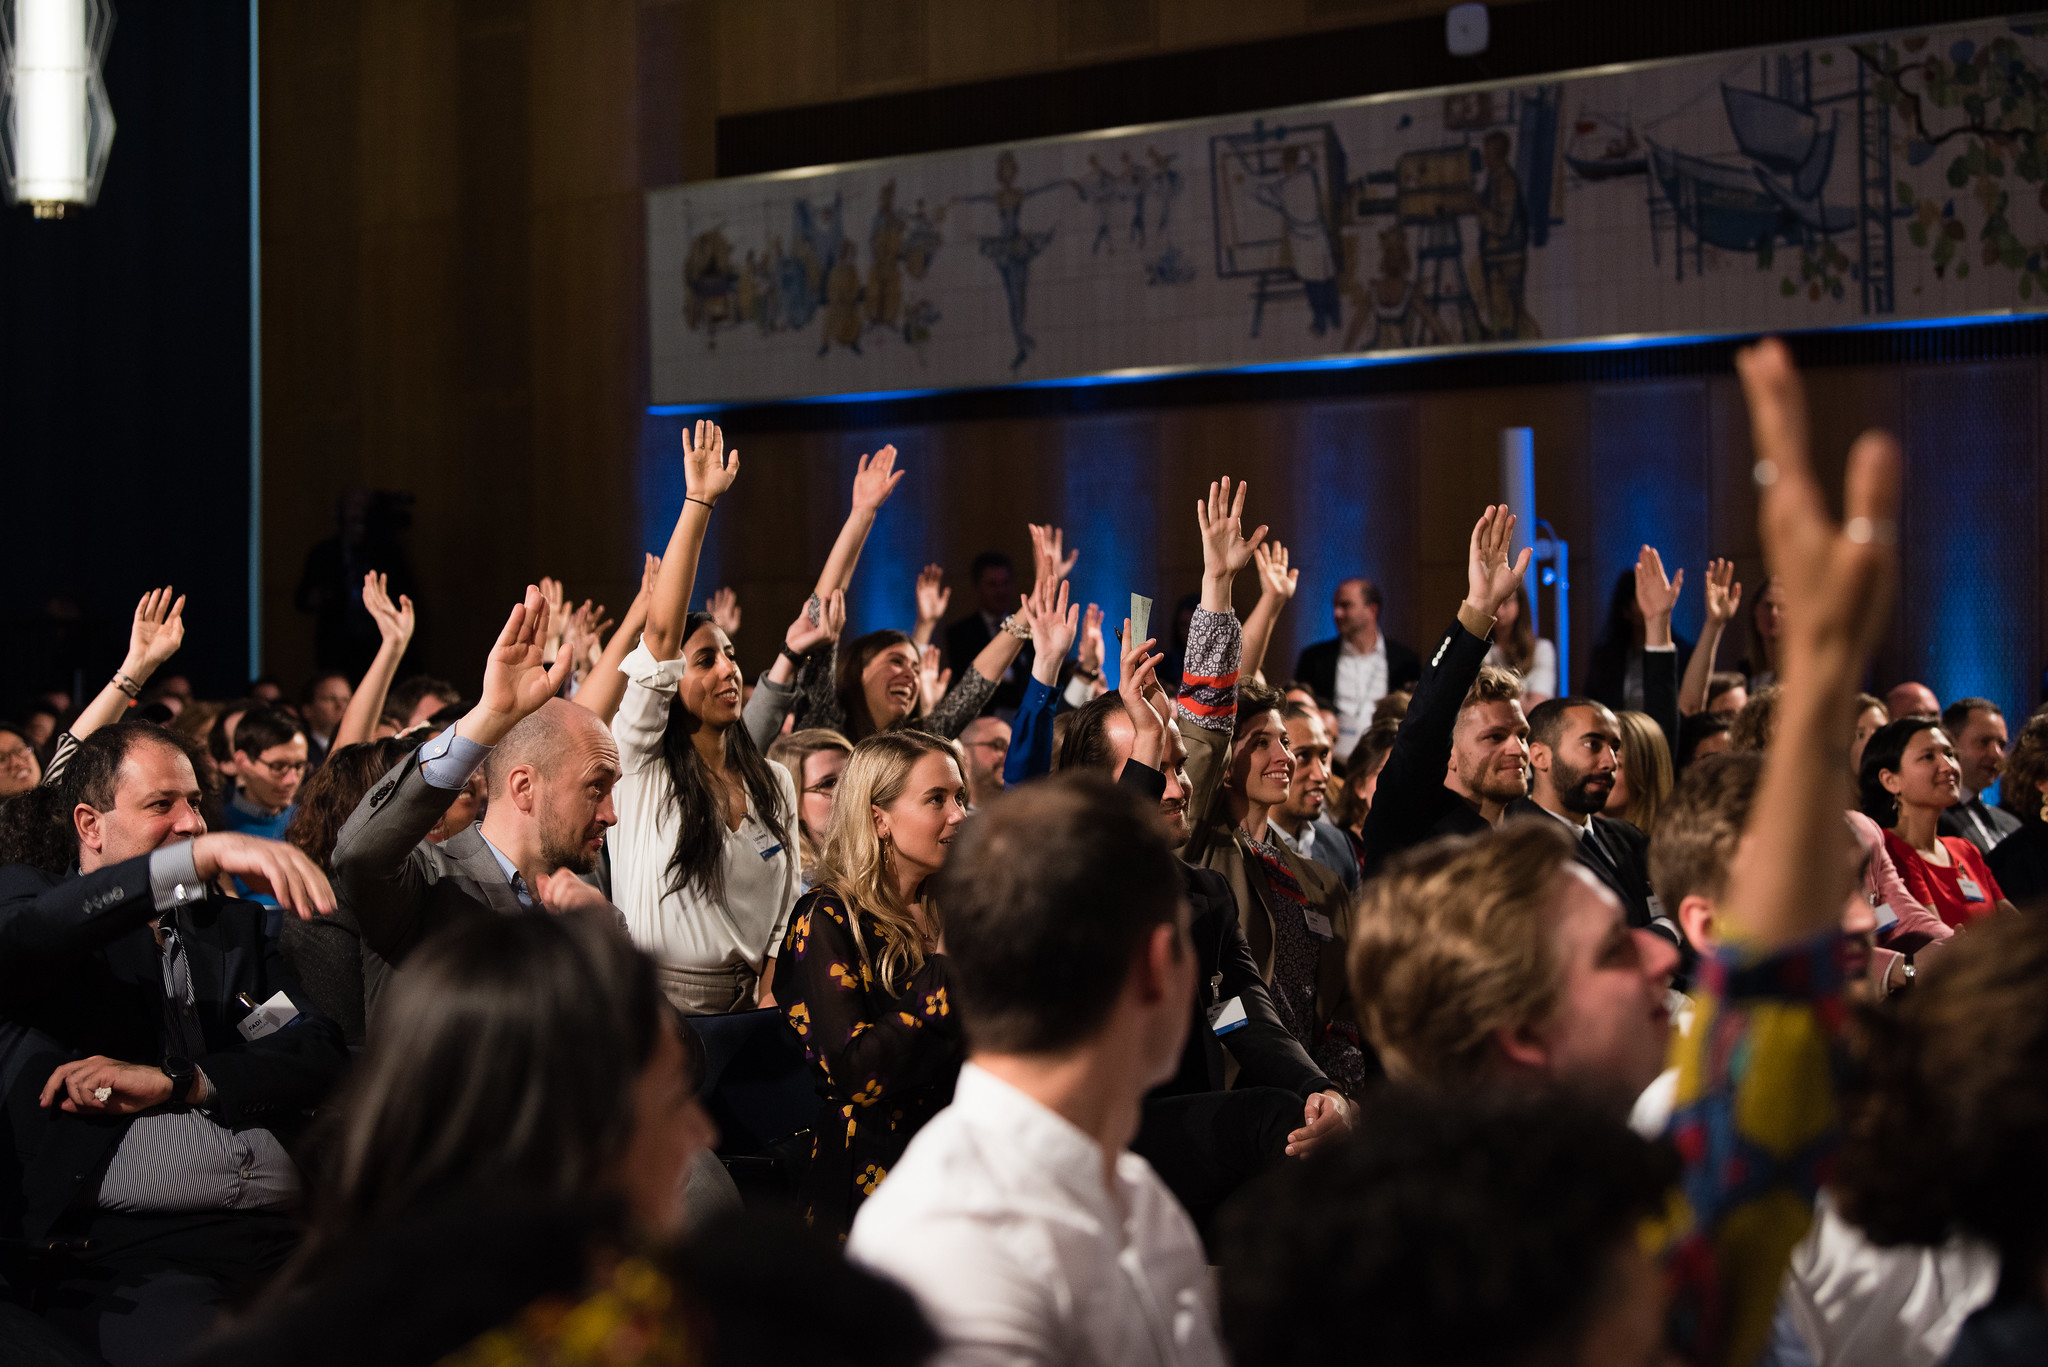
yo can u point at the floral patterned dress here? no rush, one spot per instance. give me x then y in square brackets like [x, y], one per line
[886, 1062]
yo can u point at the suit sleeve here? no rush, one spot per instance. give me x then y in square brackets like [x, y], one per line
[1031, 735]
[1411, 797]
[377, 867]
[1404, 667]
[1660, 693]
[42, 923]
[291, 1069]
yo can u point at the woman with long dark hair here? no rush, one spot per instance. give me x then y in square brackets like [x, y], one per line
[866, 985]
[704, 858]
[1910, 777]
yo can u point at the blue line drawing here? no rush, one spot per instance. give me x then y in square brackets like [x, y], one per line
[1012, 250]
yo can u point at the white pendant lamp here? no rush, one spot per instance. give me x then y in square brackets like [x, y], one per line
[56, 124]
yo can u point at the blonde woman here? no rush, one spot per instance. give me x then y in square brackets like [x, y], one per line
[864, 979]
[815, 758]
[1644, 780]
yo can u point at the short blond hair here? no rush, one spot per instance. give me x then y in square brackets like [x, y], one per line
[1494, 684]
[1452, 944]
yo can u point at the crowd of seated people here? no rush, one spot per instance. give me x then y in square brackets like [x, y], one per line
[1124, 1003]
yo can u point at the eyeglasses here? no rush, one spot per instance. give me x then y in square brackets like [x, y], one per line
[1001, 747]
[16, 754]
[282, 768]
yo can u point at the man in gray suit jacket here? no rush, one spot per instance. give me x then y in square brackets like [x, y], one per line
[549, 765]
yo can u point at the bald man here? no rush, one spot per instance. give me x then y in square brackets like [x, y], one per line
[549, 766]
[1912, 700]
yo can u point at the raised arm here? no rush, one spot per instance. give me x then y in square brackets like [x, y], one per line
[153, 637]
[1276, 586]
[604, 688]
[932, 598]
[874, 480]
[1657, 596]
[707, 473]
[1724, 596]
[1052, 565]
[394, 626]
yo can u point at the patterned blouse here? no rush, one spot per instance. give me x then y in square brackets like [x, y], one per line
[885, 1061]
[633, 1319]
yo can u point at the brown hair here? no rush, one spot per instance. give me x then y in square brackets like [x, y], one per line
[1701, 825]
[1347, 808]
[1757, 722]
[2025, 768]
[793, 752]
[1494, 684]
[1452, 943]
[330, 796]
[1646, 759]
[1520, 645]
[854, 658]
[856, 865]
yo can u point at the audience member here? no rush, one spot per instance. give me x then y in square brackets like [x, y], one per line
[157, 1055]
[1361, 776]
[1871, 717]
[1298, 822]
[2020, 862]
[322, 702]
[40, 722]
[704, 857]
[1575, 755]
[1018, 1217]
[1483, 1230]
[867, 984]
[1627, 669]
[815, 760]
[1766, 627]
[1703, 685]
[1977, 727]
[414, 703]
[1912, 700]
[995, 596]
[549, 767]
[1700, 735]
[1360, 666]
[1910, 777]
[369, 528]
[20, 769]
[1517, 648]
[270, 764]
[1644, 779]
[1752, 727]
[1727, 692]
[265, 688]
[154, 635]
[1462, 753]
[986, 741]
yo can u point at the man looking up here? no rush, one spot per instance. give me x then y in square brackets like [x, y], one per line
[1298, 821]
[1978, 729]
[1360, 666]
[1575, 752]
[1018, 1217]
[549, 766]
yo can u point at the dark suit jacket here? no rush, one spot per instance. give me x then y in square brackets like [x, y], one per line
[2001, 822]
[1662, 669]
[1628, 876]
[1411, 804]
[1317, 667]
[80, 974]
[965, 640]
[2020, 864]
[1267, 1055]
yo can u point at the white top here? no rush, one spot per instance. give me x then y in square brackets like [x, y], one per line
[998, 1220]
[1855, 1304]
[1541, 676]
[1361, 683]
[687, 929]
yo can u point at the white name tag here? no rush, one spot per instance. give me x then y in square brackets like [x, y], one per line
[1656, 908]
[269, 1018]
[767, 846]
[1886, 917]
[1968, 887]
[1230, 1016]
[1319, 925]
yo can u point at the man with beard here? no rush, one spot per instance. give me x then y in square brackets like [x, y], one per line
[549, 766]
[1575, 750]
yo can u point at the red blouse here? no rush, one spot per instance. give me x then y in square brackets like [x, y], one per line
[1944, 891]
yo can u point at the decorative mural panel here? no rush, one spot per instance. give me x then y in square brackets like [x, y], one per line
[1822, 185]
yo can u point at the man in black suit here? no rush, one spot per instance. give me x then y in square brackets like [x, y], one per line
[157, 1056]
[1977, 726]
[1575, 751]
[995, 596]
[1462, 754]
[1360, 666]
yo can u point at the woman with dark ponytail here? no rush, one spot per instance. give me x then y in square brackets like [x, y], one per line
[704, 858]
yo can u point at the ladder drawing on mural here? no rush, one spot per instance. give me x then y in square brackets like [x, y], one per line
[1874, 215]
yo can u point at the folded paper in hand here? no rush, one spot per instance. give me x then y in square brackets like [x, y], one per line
[1141, 619]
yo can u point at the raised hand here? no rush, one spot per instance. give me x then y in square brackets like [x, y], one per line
[1093, 647]
[932, 595]
[932, 681]
[284, 871]
[1054, 624]
[394, 622]
[874, 479]
[155, 634]
[1135, 685]
[708, 469]
[1655, 594]
[1724, 595]
[1225, 548]
[517, 677]
[1276, 580]
[553, 594]
[725, 611]
[649, 572]
[1489, 576]
[1050, 560]
[814, 627]
[585, 635]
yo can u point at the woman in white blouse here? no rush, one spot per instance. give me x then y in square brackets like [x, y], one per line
[704, 858]
[1516, 646]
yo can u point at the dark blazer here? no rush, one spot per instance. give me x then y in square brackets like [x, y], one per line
[2002, 824]
[965, 640]
[1411, 804]
[1267, 1055]
[2020, 864]
[1627, 875]
[80, 974]
[1607, 675]
[1317, 666]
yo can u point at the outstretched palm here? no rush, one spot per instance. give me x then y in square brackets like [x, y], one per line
[1225, 547]
[1724, 595]
[1491, 577]
[1655, 594]
[875, 478]
[158, 629]
[707, 470]
[517, 676]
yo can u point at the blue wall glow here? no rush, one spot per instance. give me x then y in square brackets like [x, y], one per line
[884, 592]
[1649, 483]
[1112, 515]
[1354, 514]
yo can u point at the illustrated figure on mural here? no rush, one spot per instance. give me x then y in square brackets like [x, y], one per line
[1162, 186]
[843, 321]
[1503, 242]
[1013, 248]
[1101, 190]
[1296, 194]
[708, 283]
[885, 260]
[1398, 316]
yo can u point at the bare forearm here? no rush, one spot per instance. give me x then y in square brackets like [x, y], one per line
[921, 635]
[1692, 691]
[606, 687]
[1216, 590]
[839, 566]
[669, 607]
[1258, 632]
[996, 657]
[366, 704]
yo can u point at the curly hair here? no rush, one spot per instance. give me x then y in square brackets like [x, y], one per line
[2026, 769]
[330, 796]
[1757, 722]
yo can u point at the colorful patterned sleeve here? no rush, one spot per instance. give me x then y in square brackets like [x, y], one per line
[1208, 679]
[1756, 1121]
[869, 1044]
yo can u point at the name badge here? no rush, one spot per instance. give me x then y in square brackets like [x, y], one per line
[1230, 1016]
[767, 845]
[269, 1018]
[1319, 925]
[1656, 908]
[1886, 917]
[1968, 887]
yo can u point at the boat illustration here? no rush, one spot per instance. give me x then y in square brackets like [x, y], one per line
[1601, 149]
[1722, 205]
[1793, 155]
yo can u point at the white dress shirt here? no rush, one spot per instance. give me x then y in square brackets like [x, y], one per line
[998, 1220]
[687, 929]
[1361, 683]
